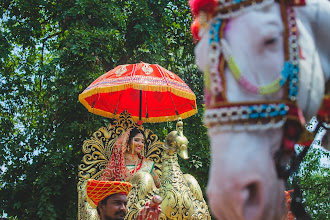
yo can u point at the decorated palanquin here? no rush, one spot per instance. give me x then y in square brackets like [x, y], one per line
[97, 151]
[181, 194]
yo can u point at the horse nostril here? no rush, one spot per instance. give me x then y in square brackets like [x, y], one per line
[252, 201]
[253, 193]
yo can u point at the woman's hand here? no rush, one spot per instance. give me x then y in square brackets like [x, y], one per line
[128, 176]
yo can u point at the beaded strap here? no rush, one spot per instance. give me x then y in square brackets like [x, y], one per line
[233, 116]
[245, 127]
[212, 78]
[290, 71]
[231, 8]
[250, 117]
[293, 53]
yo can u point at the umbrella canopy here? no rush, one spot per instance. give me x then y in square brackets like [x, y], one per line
[148, 91]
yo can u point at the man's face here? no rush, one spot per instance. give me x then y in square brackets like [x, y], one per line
[115, 208]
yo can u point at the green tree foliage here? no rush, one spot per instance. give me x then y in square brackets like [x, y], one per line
[50, 51]
[315, 184]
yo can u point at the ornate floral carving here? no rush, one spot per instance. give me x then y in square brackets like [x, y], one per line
[181, 194]
[97, 151]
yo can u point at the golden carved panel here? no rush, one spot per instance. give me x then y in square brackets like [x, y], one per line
[97, 151]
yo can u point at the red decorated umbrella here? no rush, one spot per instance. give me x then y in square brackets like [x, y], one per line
[149, 92]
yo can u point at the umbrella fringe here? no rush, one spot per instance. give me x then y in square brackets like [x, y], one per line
[136, 118]
[91, 91]
[165, 118]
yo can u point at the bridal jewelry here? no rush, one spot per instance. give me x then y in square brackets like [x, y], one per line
[132, 158]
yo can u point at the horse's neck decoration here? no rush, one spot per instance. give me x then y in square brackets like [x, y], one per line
[182, 196]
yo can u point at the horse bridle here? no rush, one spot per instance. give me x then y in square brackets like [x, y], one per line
[222, 115]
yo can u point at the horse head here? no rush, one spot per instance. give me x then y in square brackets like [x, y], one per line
[177, 142]
[262, 78]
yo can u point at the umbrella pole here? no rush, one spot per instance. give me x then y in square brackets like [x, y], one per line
[176, 111]
[115, 112]
[145, 101]
[140, 113]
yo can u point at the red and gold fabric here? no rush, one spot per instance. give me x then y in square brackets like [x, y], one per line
[117, 170]
[99, 190]
[147, 90]
[116, 167]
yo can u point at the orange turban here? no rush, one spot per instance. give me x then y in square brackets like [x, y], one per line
[99, 190]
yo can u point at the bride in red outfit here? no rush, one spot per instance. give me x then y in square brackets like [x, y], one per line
[126, 159]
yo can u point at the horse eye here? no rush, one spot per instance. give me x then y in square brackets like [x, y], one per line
[270, 41]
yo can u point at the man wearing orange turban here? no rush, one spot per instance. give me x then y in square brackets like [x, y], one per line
[110, 200]
[109, 197]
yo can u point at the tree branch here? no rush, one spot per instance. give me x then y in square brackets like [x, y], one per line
[43, 44]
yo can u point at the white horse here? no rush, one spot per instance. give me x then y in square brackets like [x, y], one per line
[243, 182]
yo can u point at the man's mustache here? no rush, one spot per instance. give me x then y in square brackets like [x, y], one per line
[120, 212]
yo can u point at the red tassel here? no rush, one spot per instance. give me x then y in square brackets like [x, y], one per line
[209, 6]
[194, 28]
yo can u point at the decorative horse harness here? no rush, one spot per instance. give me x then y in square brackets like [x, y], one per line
[222, 115]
